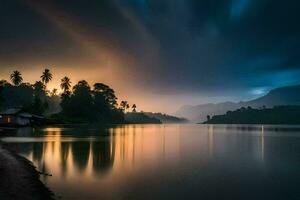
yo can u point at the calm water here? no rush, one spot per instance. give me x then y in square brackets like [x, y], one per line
[165, 161]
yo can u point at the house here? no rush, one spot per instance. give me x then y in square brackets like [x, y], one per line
[16, 117]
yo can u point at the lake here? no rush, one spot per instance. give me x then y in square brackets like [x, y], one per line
[164, 161]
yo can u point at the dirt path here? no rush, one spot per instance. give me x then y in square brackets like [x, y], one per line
[19, 179]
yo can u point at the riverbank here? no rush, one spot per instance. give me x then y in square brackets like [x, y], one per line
[278, 115]
[19, 179]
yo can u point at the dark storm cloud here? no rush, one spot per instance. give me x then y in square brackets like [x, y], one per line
[197, 46]
[211, 45]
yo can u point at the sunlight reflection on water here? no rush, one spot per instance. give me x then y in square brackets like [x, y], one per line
[162, 161]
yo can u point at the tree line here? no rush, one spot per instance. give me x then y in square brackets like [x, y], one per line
[80, 103]
[249, 115]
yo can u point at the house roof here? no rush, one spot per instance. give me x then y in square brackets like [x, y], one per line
[25, 115]
[11, 111]
[17, 111]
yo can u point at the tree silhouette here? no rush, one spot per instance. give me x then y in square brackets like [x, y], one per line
[275, 115]
[54, 92]
[78, 104]
[81, 101]
[46, 76]
[65, 84]
[3, 83]
[133, 108]
[208, 117]
[39, 89]
[106, 93]
[16, 78]
[124, 105]
[39, 105]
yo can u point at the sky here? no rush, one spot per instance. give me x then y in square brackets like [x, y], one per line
[158, 54]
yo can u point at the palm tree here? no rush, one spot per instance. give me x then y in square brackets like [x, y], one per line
[46, 76]
[54, 92]
[124, 105]
[133, 108]
[65, 84]
[3, 83]
[16, 78]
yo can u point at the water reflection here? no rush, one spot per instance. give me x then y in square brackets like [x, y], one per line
[123, 146]
[114, 162]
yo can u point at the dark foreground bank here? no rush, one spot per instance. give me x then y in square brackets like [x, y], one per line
[20, 179]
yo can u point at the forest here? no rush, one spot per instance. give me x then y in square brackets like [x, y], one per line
[249, 115]
[78, 103]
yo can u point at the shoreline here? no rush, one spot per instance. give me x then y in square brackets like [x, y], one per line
[20, 179]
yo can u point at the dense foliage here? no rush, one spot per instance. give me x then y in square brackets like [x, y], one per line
[276, 115]
[30, 98]
[79, 103]
[86, 104]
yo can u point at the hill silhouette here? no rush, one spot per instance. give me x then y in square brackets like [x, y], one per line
[289, 95]
[276, 115]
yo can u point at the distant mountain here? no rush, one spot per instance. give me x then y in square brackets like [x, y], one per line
[289, 95]
[166, 119]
